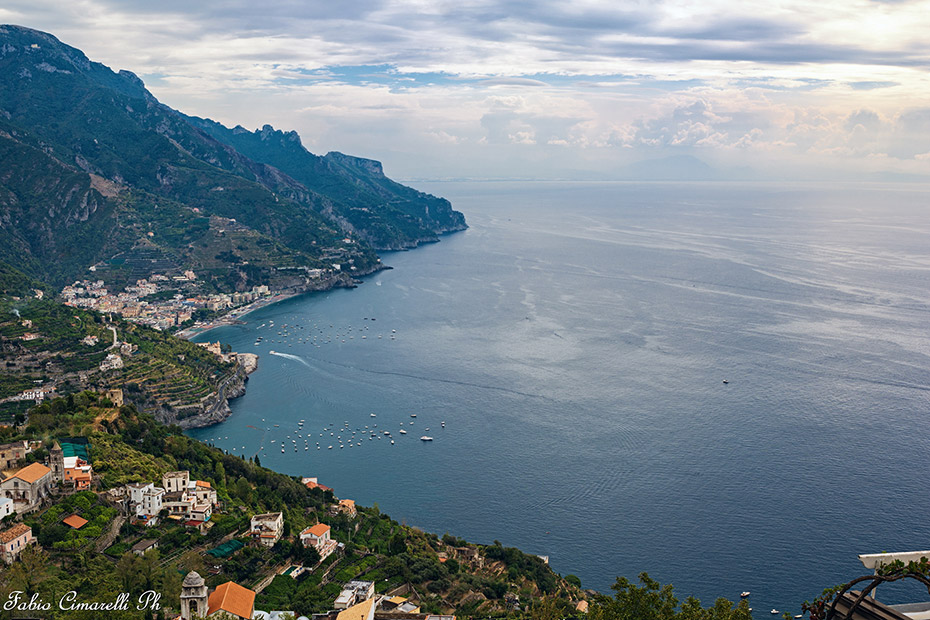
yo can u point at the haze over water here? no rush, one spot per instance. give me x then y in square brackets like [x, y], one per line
[575, 341]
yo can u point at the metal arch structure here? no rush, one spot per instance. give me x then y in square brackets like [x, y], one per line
[874, 581]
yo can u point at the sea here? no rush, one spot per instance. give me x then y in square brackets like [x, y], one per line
[724, 385]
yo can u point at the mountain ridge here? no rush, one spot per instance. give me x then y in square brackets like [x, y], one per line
[118, 158]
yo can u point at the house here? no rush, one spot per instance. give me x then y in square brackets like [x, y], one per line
[143, 546]
[151, 501]
[144, 501]
[229, 600]
[354, 592]
[12, 453]
[203, 492]
[399, 604]
[318, 536]
[14, 540]
[111, 362]
[175, 481]
[201, 512]
[232, 599]
[178, 504]
[267, 528]
[362, 611]
[313, 483]
[347, 507]
[77, 473]
[27, 487]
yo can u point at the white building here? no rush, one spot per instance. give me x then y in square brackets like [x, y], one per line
[267, 528]
[6, 507]
[175, 481]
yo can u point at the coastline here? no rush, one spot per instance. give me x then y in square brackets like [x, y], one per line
[233, 316]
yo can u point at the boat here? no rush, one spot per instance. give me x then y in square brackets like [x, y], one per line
[774, 612]
[374, 416]
[413, 415]
[392, 442]
[725, 381]
[744, 594]
[403, 432]
[426, 438]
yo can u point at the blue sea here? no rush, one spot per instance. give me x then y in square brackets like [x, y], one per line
[575, 341]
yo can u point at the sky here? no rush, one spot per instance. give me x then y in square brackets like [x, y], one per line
[585, 89]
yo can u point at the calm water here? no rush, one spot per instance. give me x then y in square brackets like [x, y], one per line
[575, 340]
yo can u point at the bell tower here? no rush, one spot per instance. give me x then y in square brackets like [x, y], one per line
[193, 597]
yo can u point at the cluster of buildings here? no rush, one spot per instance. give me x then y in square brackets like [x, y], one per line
[24, 489]
[162, 314]
[190, 501]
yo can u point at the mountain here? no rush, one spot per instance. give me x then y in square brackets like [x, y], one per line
[403, 216]
[96, 168]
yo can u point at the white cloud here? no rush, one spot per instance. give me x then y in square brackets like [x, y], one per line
[588, 83]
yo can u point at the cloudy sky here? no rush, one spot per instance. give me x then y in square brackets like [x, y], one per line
[501, 88]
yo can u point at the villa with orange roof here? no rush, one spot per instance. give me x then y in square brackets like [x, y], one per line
[229, 600]
[232, 599]
[27, 487]
[347, 507]
[14, 540]
[318, 537]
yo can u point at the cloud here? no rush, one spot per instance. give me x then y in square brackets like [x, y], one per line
[484, 83]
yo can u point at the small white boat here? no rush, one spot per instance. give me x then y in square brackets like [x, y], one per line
[330, 448]
[392, 442]
[413, 415]
[426, 438]
[725, 381]
[744, 594]
[403, 432]
[374, 416]
[774, 612]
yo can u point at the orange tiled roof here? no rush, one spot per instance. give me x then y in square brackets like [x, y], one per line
[318, 530]
[232, 598]
[31, 473]
[75, 521]
[361, 611]
[14, 532]
[203, 483]
[348, 503]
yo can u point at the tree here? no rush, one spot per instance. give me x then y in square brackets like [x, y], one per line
[398, 544]
[653, 601]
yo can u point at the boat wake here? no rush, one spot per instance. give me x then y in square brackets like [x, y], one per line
[296, 358]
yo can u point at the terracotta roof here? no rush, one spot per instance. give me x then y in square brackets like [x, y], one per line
[75, 521]
[14, 532]
[203, 483]
[31, 473]
[232, 598]
[348, 503]
[362, 611]
[317, 530]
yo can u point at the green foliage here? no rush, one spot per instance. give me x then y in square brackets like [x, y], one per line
[653, 601]
[520, 564]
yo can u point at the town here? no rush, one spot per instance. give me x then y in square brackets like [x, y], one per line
[314, 554]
